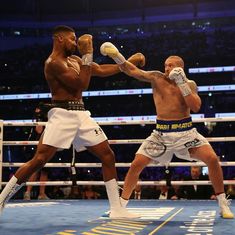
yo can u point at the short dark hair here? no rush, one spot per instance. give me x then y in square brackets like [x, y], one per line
[62, 28]
[178, 59]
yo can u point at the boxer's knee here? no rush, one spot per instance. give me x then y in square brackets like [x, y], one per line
[139, 163]
[108, 159]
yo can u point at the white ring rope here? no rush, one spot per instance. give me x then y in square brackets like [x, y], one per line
[139, 122]
[95, 165]
[161, 182]
[132, 141]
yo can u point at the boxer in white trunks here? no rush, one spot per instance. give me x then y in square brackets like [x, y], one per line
[174, 96]
[68, 121]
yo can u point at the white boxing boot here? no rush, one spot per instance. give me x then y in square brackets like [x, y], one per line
[10, 189]
[116, 210]
[122, 213]
[123, 202]
[224, 203]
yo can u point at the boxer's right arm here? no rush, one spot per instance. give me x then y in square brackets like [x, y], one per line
[65, 74]
[85, 47]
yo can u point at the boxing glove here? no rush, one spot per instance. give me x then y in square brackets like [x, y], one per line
[108, 49]
[138, 59]
[85, 47]
[177, 74]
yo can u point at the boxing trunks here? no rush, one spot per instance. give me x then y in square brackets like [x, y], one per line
[69, 123]
[171, 137]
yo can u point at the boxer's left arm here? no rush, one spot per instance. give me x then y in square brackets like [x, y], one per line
[105, 70]
[108, 49]
[142, 75]
[138, 59]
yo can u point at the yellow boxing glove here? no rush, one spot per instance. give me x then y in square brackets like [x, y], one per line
[85, 47]
[108, 49]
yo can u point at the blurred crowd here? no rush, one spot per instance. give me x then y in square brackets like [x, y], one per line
[22, 69]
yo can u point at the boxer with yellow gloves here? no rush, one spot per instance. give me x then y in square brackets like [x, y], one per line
[69, 123]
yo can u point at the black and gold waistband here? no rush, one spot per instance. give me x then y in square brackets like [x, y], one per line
[174, 125]
[68, 105]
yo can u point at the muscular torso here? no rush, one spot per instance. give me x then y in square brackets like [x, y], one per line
[169, 102]
[61, 89]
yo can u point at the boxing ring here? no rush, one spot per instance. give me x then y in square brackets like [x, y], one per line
[89, 217]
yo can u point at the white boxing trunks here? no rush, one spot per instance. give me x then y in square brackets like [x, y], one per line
[171, 137]
[66, 127]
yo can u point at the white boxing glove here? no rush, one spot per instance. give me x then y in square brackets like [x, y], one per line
[108, 49]
[177, 74]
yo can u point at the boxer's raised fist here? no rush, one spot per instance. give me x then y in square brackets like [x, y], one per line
[177, 74]
[85, 45]
[138, 59]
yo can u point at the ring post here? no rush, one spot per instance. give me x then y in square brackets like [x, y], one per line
[1, 150]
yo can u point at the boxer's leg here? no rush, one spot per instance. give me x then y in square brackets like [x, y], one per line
[206, 154]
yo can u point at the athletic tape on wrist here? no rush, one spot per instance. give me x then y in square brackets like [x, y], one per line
[87, 59]
[185, 89]
[120, 59]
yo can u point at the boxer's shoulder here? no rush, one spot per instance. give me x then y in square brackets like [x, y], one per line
[156, 74]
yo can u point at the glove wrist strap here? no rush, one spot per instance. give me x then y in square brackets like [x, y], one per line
[185, 89]
[87, 59]
[119, 59]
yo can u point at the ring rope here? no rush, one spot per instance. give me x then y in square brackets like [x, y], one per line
[161, 182]
[122, 122]
[94, 165]
[132, 141]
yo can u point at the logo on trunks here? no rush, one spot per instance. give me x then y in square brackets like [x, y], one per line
[155, 149]
[98, 131]
[174, 126]
[192, 143]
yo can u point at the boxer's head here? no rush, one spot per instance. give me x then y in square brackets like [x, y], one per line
[172, 62]
[64, 37]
